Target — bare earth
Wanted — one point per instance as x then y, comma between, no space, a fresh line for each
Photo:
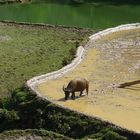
112,60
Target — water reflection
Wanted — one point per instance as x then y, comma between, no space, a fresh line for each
91,16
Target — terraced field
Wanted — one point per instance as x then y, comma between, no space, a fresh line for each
112,60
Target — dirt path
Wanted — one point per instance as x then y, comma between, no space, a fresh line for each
112,60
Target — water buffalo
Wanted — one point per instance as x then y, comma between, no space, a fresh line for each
78,84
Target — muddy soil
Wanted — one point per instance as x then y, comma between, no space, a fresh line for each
110,61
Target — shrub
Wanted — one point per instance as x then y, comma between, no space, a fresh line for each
8,119
6,103
65,61
20,97
72,52
77,44
110,135
8,115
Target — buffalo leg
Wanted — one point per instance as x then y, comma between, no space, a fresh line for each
81,93
73,96
87,89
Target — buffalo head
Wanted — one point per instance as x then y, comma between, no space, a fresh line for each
67,92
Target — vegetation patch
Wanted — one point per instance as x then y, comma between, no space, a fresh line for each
36,113
32,134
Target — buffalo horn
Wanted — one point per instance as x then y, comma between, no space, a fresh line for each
63,88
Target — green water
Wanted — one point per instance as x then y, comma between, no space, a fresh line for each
86,15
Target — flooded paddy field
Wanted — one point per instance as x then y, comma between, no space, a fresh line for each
112,60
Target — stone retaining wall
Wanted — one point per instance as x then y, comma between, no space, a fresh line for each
115,29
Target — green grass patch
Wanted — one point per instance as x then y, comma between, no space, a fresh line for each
27,51
32,134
